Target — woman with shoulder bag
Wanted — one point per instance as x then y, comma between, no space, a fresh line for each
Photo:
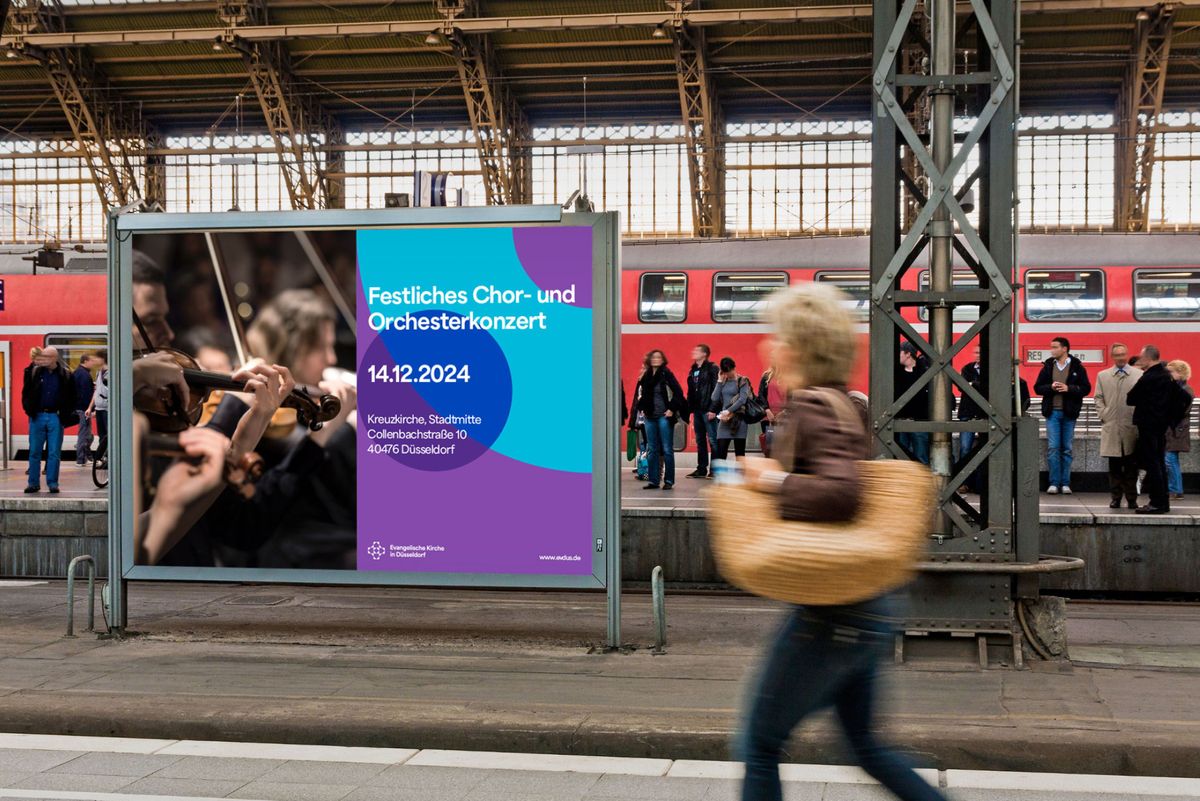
773,399
824,655
731,394
661,402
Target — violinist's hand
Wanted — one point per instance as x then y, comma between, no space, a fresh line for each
185,491
157,370
266,385
349,399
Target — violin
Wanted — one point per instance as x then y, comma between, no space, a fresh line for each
169,413
239,474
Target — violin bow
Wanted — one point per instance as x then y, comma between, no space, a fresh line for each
235,322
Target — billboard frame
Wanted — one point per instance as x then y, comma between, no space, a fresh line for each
124,224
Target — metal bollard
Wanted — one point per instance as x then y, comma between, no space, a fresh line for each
91,574
658,592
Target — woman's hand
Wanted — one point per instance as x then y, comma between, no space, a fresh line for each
770,416
755,468
712,415
669,414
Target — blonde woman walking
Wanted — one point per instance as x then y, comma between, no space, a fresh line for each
822,656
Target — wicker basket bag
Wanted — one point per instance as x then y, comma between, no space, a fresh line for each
825,563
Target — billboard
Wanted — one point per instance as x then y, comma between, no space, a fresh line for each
457,379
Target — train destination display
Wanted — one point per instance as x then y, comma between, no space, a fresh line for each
475,445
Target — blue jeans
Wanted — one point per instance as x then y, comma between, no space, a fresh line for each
706,438
824,657
1174,474
1059,433
916,443
83,441
45,431
661,443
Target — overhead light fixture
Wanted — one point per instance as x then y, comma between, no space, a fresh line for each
218,45
433,39
11,53
659,32
1143,15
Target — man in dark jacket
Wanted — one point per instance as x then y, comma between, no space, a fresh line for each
702,379
916,443
1158,404
84,386
1063,384
48,397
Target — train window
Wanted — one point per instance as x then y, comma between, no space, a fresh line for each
72,346
1166,294
857,286
662,298
742,297
963,279
1064,295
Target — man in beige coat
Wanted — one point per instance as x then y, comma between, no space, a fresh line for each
1118,435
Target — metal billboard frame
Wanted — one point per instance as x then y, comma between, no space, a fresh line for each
124,224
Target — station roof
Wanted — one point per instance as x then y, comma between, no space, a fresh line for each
368,63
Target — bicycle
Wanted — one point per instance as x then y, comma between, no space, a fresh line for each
100,464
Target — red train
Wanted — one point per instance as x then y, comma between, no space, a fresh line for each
67,310
1096,289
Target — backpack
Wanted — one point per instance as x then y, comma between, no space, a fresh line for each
753,410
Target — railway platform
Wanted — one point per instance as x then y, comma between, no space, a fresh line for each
1123,552
517,671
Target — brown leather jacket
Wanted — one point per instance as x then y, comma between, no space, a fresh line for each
821,442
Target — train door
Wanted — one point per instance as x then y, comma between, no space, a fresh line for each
6,405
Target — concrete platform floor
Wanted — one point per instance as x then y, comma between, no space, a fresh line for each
118,769
514,671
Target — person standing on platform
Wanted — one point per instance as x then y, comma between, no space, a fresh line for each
49,399
822,656
702,380
1179,436
1118,435
84,386
661,401
1159,403
98,407
915,443
1063,384
731,394
773,398
968,409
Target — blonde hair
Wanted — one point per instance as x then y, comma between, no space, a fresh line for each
811,319
288,327
1181,368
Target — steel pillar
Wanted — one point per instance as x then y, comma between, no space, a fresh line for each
981,87
703,126
497,120
110,134
1138,108
296,124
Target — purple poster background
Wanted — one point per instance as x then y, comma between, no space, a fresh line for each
492,474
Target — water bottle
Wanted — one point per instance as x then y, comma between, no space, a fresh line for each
727,471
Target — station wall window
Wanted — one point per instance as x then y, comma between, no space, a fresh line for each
1166,294
742,297
73,346
963,279
662,298
857,286
1064,295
